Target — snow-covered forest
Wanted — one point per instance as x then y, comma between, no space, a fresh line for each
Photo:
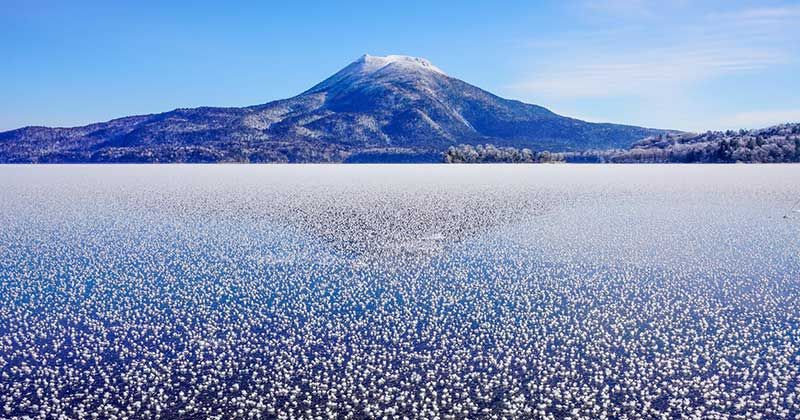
465,153
775,144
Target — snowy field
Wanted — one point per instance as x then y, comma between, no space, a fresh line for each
314,291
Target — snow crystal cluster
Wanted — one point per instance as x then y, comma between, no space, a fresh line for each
399,292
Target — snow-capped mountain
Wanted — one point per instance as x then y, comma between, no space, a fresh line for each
376,108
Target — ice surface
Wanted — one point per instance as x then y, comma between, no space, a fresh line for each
409,290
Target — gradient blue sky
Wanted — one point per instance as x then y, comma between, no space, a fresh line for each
670,64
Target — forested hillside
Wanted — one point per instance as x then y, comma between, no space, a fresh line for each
780,143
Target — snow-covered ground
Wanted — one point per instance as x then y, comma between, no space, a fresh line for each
399,290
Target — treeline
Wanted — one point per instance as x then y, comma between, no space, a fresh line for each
465,153
768,145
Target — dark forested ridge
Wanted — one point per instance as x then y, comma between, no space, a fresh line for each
777,144
377,109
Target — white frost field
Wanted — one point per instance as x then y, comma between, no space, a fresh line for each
380,291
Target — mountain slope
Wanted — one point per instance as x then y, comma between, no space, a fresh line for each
376,105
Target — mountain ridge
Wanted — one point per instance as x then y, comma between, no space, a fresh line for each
399,104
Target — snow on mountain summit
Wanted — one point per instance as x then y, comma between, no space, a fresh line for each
374,63
392,66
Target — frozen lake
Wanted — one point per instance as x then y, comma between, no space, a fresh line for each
399,290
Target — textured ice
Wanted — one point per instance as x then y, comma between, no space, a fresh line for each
399,291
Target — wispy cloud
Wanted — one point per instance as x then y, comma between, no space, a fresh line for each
625,8
652,71
758,119
764,13
649,61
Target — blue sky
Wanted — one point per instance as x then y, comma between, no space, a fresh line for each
671,64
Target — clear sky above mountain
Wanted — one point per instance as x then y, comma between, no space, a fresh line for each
678,64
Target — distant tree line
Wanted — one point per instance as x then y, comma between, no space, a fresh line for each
488,153
768,145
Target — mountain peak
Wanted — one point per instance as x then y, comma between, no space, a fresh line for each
393,66
373,63
375,103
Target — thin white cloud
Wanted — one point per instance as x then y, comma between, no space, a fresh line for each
764,13
758,119
624,8
647,62
644,75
